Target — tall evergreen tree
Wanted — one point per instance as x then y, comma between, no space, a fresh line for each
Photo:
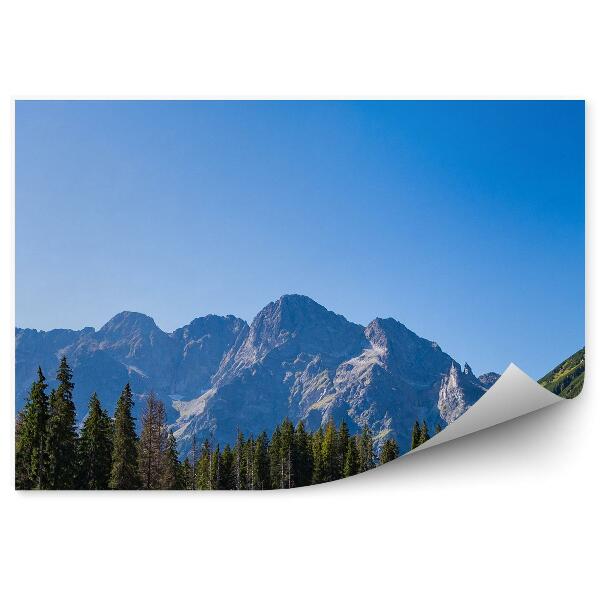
281,456
303,446
248,460
330,453
215,469
424,433
124,473
288,453
171,476
343,439
228,470
203,467
260,464
389,451
187,478
415,437
153,443
275,459
351,458
438,428
62,435
318,473
30,438
239,462
366,455
193,462
95,448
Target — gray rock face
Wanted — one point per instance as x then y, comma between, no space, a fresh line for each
489,379
296,359
458,390
299,360
130,347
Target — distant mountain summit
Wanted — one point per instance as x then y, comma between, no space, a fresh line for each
296,359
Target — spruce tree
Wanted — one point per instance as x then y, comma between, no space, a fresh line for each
124,473
351,458
317,456
303,455
215,469
248,460
438,428
171,476
389,451
187,478
95,448
288,453
260,464
343,439
203,467
62,435
415,438
228,471
424,433
193,462
277,474
329,453
30,439
240,474
366,455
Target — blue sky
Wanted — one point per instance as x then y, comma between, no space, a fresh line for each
463,220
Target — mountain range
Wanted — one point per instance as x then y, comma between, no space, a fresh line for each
218,375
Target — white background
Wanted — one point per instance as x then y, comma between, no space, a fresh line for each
506,513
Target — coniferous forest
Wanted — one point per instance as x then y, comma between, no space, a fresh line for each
107,453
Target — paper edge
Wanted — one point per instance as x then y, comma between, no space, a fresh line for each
513,395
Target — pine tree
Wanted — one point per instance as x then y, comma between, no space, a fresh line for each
187,478
239,463
303,446
389,451
248,460
351,458
215,469
260,463
203,467
95,448
438,428
171,477
62,435
424,433
343,439
275,459
366,455
228,473
124,473
330,453
30,439
153,443
415,438
317,456
193,462
288,452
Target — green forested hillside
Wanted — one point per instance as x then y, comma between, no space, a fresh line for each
566,379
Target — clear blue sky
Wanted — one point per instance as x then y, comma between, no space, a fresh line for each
463,220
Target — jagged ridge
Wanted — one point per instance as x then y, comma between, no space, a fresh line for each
296,359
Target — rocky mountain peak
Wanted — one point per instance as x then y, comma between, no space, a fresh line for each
128,322
299,320
489,379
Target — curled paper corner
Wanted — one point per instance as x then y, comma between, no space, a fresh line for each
513,395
